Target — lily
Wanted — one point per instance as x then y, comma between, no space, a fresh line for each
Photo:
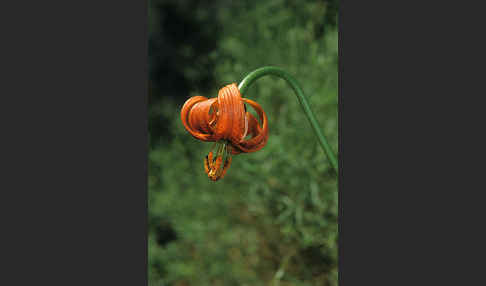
225,121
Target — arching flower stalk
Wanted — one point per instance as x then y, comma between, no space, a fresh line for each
225,121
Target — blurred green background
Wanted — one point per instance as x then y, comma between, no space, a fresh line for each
273,219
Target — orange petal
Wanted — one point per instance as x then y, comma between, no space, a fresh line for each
195,117
259,134
225,118
231,114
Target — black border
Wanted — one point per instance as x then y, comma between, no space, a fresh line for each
75,144
408,208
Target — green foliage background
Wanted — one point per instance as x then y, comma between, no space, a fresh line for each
273,219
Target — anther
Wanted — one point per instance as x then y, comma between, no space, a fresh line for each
227,163
216,166
210,159
206,164
215,169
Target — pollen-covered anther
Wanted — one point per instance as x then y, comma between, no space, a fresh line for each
213,173
217,168
206,164
227,163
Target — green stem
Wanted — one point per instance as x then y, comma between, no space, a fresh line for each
269,70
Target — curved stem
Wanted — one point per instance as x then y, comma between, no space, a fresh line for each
269,70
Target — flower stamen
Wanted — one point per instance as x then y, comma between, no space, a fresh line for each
215,167
227,163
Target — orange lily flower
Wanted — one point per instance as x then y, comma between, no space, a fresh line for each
225,121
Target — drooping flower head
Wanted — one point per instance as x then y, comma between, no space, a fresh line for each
225,121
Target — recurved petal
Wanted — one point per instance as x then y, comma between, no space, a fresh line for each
195,117
231,114
200,116
259,134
